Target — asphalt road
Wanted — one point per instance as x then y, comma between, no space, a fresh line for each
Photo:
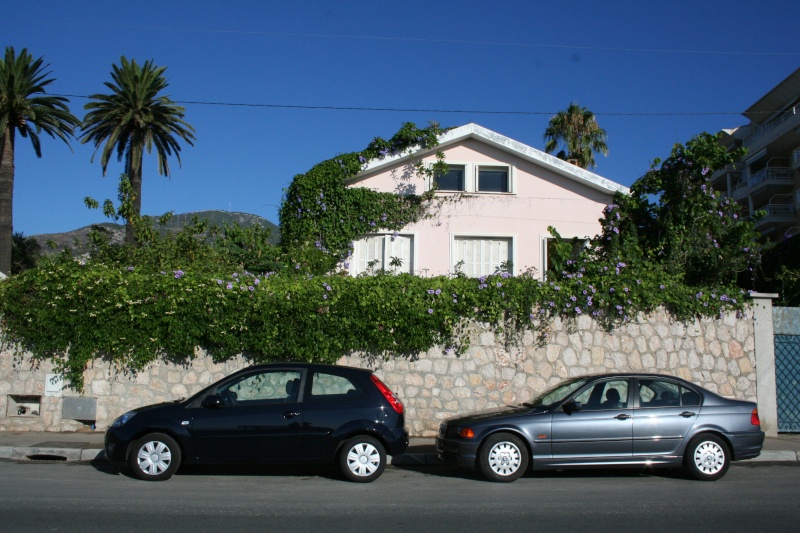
81,497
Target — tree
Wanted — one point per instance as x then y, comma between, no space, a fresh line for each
577,133
25,253
134,118
674,218
25,108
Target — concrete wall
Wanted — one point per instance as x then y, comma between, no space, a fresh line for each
718,354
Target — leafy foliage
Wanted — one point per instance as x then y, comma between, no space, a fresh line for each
24,254
578,134
674,218
321,217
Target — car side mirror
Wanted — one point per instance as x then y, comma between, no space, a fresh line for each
213,401
571,407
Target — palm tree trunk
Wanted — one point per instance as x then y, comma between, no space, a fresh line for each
6,199
135,177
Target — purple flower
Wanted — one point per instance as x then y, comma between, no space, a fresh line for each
324,296
578,310
431,291
130,269
219,282
430,311
362,159
256,281
229,286
251,288
662,287
438,291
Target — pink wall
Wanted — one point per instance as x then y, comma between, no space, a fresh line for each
540,198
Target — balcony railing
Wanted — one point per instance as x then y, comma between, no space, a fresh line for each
771,173
760,130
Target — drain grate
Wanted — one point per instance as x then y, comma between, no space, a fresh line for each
45,457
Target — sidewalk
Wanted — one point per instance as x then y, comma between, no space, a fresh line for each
88,446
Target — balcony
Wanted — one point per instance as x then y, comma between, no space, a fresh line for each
761,130
778,213
767,181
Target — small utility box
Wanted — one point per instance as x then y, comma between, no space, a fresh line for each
79,408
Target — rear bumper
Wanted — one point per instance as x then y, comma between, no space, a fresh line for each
747,445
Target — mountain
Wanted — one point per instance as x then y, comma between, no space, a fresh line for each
217,218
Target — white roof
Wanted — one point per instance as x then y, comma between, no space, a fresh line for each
507,144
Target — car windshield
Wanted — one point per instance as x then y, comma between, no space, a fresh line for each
556,394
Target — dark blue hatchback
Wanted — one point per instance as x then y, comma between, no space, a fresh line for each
275,413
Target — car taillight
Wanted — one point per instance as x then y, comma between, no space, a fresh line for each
754,417
396,404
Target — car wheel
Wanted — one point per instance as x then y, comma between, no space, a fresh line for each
503,457
707,458
363,459
155,457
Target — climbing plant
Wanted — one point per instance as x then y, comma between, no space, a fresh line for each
321,216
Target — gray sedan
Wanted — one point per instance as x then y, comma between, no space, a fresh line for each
609,420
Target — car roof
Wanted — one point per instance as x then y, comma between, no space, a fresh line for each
303,365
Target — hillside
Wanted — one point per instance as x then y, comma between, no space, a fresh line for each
68,239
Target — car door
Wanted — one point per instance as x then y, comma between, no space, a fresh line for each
600,430
665,412
260,419
335,404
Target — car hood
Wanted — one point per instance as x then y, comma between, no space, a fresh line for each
490,414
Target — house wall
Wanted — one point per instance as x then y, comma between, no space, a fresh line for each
541,198
718,354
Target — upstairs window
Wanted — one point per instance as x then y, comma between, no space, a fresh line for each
452,180
493,179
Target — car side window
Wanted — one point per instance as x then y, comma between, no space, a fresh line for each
662,393
604,395
272,387
332,386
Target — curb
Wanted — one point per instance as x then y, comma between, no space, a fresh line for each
32,453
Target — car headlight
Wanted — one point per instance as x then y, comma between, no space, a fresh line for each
119,422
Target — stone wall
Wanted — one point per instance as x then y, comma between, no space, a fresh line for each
715,353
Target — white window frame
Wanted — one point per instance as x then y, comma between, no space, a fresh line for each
387,240
544,239
471,173
512,243
476,175
466,178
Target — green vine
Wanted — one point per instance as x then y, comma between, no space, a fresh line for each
321,217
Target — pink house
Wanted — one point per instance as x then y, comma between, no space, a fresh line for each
510,193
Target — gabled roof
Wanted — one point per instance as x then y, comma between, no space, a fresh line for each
507,144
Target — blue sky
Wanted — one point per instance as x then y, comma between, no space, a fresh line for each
655,73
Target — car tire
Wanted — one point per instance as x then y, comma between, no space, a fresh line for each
503,458
707,457
155,457
362,459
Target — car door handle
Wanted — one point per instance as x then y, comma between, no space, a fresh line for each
290,414
687,414
623,416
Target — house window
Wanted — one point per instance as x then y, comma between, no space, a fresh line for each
482,256
452,180
493,179
576,246
392,253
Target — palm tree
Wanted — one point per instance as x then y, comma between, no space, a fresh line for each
578,135
134,118
25,108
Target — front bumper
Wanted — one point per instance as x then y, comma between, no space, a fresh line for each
115,449
459,451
